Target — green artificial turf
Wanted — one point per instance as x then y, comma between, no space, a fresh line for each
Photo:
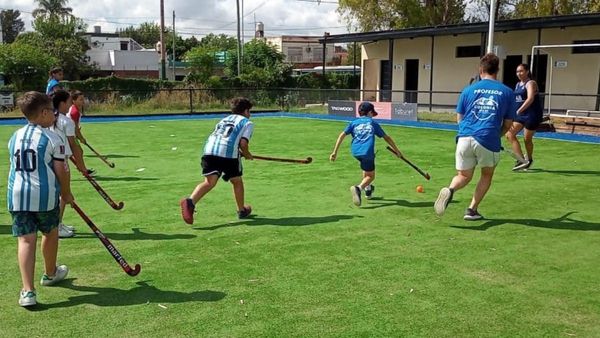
310,263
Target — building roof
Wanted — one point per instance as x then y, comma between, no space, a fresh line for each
469,28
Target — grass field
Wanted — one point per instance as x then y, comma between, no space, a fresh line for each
310,263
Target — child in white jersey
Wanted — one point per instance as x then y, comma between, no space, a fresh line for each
221,156
37,171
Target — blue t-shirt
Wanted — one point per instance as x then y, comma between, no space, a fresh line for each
363,131
50,87
484,106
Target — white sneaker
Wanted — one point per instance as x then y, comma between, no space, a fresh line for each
355,191
61,272
442,201
27,298
63,232
68,227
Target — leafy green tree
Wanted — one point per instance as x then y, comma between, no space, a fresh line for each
369,15
12,25
201,60
25,66
351,52
219,42
52,8
262,65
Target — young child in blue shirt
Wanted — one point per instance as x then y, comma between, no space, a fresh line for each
363,131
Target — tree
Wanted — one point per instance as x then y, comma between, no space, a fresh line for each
351,52
219,42
369,15
52,8
262,65
25,66
202,61
12,25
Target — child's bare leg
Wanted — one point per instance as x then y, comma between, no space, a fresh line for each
50,251
203,188
238,191
368,178
26,257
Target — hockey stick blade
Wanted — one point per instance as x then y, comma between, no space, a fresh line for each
101,157
287,160
107,244
103,193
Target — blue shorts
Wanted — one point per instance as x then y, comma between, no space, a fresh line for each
530,121
29,222
367,163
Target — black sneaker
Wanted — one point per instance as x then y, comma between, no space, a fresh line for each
355,191
245,212
472,215
90,172
369,190
529,164
441,203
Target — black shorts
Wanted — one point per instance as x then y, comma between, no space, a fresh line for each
529,121
216,165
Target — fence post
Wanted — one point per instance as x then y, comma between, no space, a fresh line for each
191,99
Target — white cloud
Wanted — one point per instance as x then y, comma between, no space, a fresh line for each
280,17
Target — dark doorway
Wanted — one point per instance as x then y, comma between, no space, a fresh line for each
411,80
509,70
540,69
386,81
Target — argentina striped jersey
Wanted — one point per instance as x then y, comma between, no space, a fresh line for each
225,139
32,184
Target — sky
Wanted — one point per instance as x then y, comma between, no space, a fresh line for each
201,17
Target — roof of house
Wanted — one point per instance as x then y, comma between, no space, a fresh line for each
469,28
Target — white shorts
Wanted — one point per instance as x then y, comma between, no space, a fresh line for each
470,153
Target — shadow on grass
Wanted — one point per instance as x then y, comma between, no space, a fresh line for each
373,203
137,235
112,155
564,172
285,221
563,223
5,229
144,293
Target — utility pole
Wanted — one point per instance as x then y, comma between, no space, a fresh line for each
163,66
1,32
490,45
242,28
239,41
174,36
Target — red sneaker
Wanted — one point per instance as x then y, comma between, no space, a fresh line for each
187,210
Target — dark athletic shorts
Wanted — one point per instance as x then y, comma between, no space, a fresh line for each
367,163
28,222
530,121
215,165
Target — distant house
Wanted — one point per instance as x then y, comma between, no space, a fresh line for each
303,51
121,56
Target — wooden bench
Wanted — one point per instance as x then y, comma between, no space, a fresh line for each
577,122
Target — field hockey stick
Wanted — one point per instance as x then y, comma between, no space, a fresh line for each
424,174
103,193
278,159
513,155
103,158
107,244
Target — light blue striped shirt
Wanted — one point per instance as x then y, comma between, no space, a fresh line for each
32,184
225,139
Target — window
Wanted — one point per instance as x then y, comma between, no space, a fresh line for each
317,54
468,51
294,54
124,45
586,50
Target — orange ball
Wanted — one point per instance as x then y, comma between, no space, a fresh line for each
420,188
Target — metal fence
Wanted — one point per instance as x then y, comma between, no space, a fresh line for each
194,100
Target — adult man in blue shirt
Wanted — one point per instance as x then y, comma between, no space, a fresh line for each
485,110
363,131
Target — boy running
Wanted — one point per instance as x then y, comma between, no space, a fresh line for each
363,131
221,156
37,176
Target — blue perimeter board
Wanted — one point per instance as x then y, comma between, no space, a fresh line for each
428,125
